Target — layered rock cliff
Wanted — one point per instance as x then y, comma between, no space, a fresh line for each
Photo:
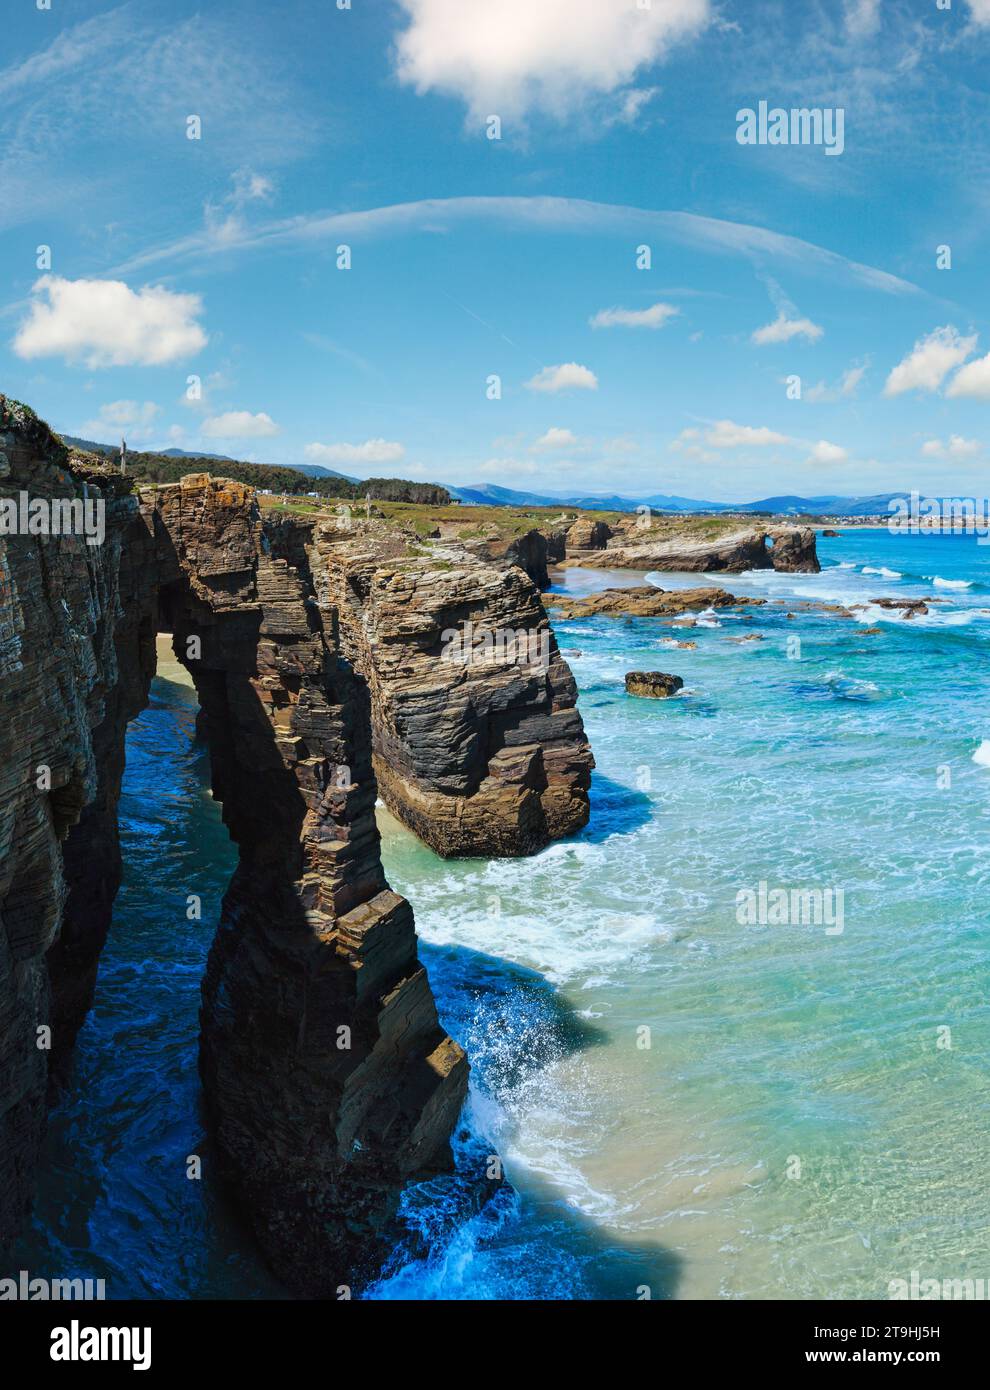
479,746
328,1077
787,548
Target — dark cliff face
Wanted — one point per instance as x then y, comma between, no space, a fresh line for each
327,1075
60,603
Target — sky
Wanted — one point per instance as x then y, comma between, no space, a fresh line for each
493,241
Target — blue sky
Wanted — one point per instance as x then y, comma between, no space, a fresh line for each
515,258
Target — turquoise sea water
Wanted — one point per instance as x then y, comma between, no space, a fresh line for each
683,1103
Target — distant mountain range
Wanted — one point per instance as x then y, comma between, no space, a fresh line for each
491,495
312,470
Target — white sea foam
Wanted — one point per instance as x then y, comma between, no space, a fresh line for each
982,754
941,583
849,688
882,571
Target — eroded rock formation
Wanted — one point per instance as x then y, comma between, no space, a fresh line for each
330,1081
792,549
479,746
653,685
645,601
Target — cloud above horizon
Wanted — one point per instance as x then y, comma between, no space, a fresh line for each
371,451
569,376
824,452
783,329
555,439
930,361
513,57
956,448
726,434
653,317
124,415
104,323
973,380
240,424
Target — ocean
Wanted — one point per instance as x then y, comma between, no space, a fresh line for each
689,1104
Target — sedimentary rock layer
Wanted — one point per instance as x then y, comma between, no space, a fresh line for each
479,746
792,550
328,1076
60,680
645,601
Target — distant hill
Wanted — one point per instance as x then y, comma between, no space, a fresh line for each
312,470
490,494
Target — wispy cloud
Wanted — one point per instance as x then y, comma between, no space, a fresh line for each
783,329
127,73
653,317
572,215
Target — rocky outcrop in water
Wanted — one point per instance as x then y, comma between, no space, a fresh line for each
792,550
654,685
645,601
327,1075
479,746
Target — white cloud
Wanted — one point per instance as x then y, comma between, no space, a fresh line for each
824,452
957,447
930,361
224,220
973,380
980,10
862,18
654,317
556,439
631,104
687,443
509,56
240,424
123,415
103,323
567,376
371,451
725,434
783,329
